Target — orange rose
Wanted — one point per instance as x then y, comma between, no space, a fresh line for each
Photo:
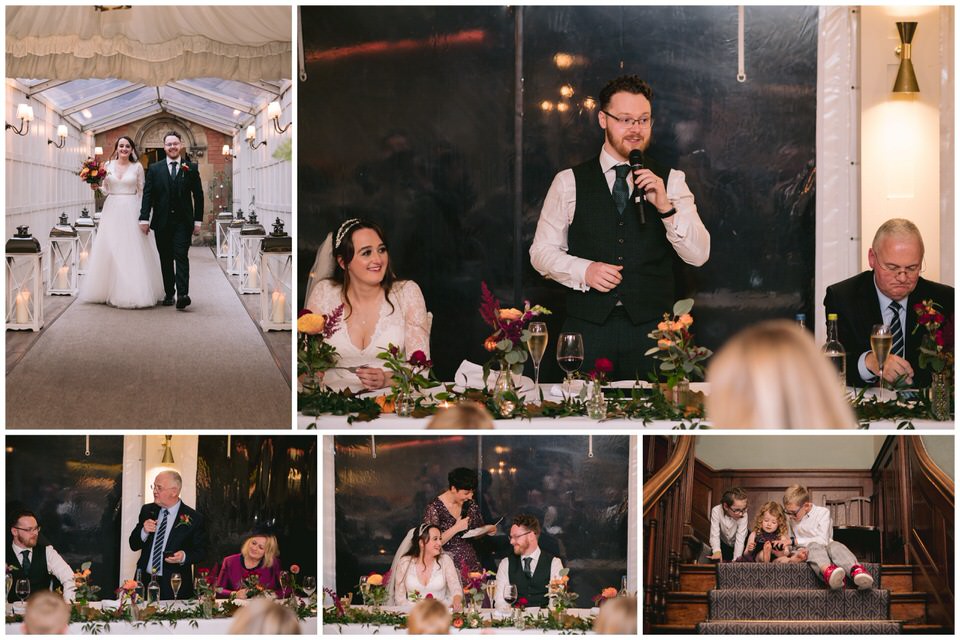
676,326
663,326
664,344
294,569
510,314
609,592
129,585
458,622
490,344
386,404
375,579
474,575
686,320
311,323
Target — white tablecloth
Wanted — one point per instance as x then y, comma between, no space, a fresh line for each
366,629
392,422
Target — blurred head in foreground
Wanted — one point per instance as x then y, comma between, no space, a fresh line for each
262,616
772,375
464,415
428,617
46,614
617,616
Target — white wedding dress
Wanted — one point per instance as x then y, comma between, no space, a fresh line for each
123,269
443,584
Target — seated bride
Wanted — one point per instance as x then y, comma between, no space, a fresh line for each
378,309
421,569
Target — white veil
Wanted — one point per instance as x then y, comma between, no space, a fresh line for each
323,266
402,550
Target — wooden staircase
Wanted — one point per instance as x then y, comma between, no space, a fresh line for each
688,605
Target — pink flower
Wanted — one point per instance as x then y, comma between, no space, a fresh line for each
603,365
294,569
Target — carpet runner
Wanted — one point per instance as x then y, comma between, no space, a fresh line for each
754,598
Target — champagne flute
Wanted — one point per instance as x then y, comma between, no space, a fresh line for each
881,341
490,588
569,357
537,345
364,589
175,581
9,585
23,589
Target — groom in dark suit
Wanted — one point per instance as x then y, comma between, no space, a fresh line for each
170,536
893,286
172,190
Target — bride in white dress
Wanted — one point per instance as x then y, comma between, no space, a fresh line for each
378,309
420,566
123,269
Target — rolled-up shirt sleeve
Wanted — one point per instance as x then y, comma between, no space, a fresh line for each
548,253
60,570
685,230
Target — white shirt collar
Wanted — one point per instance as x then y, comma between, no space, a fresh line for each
607,161
534,556
17,549
884,300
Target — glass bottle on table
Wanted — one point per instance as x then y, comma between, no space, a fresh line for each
834,351
139,589
881,341
537,345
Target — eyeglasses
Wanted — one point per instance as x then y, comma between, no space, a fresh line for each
737,510
643,122
794,512
28,529
518,536
896,270
156,487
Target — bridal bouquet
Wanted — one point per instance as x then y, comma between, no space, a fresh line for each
92,171
508,342
314,353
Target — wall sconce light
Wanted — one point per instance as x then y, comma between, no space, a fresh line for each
167,451
97,151
25,114
251,136
228,152
273,113
906,78
62,135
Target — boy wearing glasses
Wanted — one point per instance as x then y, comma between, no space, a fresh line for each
887,295
728,525
26,563
812,529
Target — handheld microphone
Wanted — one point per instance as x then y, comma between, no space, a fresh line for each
636,164
465,508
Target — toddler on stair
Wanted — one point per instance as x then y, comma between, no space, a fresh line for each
769,542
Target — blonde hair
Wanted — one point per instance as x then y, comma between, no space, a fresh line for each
428,617
617,616
771,375
796,494
270,548
777,512
464,415
896,227
263,616
46,614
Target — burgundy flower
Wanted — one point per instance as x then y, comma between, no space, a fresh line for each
418,358
303,312
603,365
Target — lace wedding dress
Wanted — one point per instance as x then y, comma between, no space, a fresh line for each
123,269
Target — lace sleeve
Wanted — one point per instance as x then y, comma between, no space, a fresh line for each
324,298
103,188
399,579
140,179
416,324
450,576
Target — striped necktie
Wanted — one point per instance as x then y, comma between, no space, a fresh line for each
156,557
897,329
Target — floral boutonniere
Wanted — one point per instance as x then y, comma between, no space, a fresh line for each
184,520
185,167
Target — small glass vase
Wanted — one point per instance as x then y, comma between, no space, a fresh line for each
680,393
596,403
405,403
311,383
940,395
505,392
206,606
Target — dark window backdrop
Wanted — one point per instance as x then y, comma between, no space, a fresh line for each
76,498
408,118
581,501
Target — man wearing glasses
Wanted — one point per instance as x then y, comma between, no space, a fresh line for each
36,567
614,250
887,295
171,537
530,569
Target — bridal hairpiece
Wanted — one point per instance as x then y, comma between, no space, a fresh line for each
344,228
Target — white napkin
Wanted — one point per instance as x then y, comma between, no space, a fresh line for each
471,375
557,390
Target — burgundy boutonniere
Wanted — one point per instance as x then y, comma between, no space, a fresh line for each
185,167
184,520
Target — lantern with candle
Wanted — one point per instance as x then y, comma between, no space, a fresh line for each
224,218
276,278
251,235
86,233
234,265
24,281
64,244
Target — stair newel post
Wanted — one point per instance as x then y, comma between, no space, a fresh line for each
674,571
648,591
660,609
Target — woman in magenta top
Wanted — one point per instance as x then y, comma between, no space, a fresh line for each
259,555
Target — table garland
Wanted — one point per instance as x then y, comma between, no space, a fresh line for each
459,620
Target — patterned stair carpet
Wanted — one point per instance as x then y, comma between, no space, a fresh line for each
753,598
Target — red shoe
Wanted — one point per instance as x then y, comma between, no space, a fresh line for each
833,576
861,577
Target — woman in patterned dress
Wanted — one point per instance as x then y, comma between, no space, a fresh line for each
454,512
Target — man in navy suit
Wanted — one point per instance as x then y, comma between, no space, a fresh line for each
172,190
184,537
873,297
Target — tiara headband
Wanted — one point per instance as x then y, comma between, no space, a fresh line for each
344,228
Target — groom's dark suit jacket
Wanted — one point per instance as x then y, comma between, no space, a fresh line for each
189,535
855,302
176,200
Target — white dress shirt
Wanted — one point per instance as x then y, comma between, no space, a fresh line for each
503,574
731,531
815,526
56,566
548,253
171,523
887,314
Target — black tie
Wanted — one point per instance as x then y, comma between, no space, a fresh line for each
173,170
897,328
621,192
26,561
157,555
527,561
